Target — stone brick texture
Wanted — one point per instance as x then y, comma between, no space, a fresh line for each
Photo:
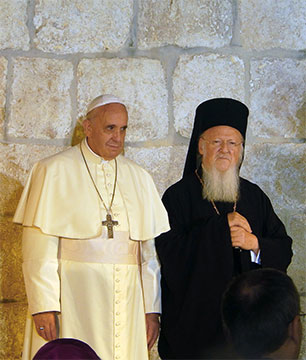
200,77
14,33
187,23
11,288
162,58
40,101
3,73
82,26
13,315
272,24
277,99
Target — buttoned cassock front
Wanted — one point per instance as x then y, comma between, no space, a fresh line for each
100,287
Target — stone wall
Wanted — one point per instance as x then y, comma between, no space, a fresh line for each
163,57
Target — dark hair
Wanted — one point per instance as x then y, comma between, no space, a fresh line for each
258,307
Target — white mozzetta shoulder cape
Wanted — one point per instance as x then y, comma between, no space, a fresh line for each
59,198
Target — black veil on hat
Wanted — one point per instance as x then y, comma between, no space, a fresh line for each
210,113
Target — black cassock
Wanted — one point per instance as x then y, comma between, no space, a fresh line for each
198,261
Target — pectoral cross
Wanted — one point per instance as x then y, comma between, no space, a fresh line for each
109,223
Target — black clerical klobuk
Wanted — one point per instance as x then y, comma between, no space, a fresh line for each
210,113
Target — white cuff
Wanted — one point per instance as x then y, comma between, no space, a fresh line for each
150,273
255,258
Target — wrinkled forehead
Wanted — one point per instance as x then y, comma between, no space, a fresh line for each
222,131
108,110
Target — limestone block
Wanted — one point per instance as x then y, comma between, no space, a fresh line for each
13,25
186,23
3,74
278,98
140,83
15,162
165,163
279,169
273,24
297,268
201,77
40,104
12,323
82,25
11,279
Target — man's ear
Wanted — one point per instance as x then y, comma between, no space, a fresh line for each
295,330
87,126
201,146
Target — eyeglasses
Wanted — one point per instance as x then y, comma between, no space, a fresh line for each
217,143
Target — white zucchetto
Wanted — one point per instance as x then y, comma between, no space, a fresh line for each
103,100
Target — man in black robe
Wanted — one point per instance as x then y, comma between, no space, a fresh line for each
221,225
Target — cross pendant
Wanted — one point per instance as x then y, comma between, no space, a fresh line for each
109,223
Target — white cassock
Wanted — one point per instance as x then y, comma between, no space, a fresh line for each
101,288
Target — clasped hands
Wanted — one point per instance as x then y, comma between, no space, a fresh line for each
241,233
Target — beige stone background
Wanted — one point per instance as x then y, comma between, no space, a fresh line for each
163,57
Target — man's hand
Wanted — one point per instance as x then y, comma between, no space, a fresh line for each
235,219
45,320
241,233
152,326
243,239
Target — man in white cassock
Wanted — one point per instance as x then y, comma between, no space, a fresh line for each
90,217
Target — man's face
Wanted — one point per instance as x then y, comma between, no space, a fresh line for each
217,147
105,129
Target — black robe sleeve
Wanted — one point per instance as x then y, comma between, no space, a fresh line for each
274,243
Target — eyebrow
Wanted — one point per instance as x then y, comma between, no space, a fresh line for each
115,125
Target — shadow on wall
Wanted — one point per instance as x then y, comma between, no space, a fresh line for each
13,304
78,133
11,280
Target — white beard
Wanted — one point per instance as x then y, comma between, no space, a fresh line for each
221,186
